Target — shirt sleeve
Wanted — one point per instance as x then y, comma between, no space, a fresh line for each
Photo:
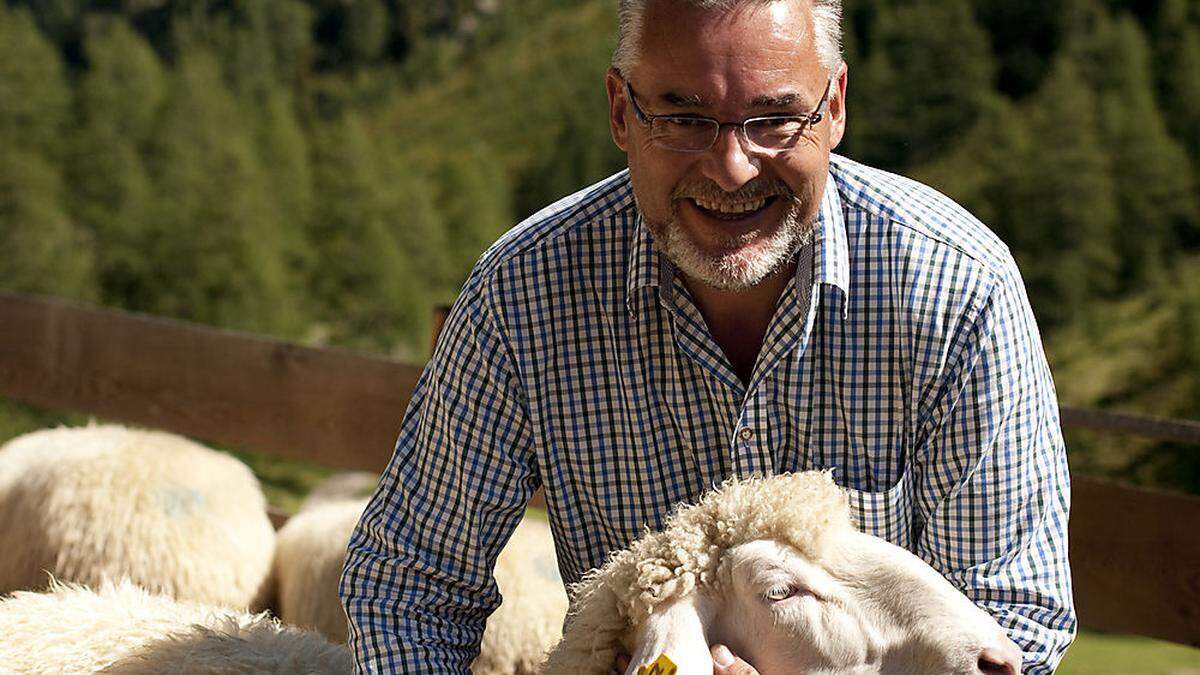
994,489
417,585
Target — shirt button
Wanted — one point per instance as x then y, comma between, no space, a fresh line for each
746,433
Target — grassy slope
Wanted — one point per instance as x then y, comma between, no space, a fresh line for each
1102,654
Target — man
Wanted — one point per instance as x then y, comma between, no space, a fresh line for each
738,302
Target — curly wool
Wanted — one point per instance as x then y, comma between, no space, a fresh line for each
120,629
107,502
804,510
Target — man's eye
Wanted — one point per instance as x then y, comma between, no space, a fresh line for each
779,123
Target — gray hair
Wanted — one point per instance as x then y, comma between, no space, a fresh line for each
827,28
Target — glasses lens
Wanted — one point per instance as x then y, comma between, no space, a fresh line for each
689,134
774,133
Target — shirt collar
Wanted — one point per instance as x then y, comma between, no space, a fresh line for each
831,263
646,265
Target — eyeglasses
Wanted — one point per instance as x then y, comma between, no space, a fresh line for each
695,133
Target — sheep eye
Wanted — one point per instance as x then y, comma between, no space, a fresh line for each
777,593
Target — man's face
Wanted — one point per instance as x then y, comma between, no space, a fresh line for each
730,216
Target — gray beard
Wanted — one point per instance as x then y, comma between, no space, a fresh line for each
740,269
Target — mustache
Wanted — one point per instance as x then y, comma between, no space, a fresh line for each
710,191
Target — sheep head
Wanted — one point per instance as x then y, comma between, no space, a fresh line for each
774,568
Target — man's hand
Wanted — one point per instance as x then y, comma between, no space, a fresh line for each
725,663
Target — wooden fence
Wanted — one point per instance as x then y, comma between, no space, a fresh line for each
1135,553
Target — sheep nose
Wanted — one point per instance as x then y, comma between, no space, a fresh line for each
1000,659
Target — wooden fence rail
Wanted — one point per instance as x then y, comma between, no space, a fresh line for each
1135,553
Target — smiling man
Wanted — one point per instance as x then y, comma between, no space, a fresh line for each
739,301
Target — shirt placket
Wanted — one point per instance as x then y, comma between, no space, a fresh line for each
750,445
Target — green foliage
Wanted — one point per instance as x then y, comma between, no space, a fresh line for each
1065,237
119,98
986,171
331,168
1024,36
935,65
1137,354
1152,175
365,30
365,288
34,97
216,246
473,195
1177,56
43,251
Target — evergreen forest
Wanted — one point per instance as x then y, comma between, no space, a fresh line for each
328,170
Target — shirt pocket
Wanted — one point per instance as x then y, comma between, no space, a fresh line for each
885,513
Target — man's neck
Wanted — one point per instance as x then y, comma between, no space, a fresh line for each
738,320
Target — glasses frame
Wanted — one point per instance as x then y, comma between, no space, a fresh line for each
809,121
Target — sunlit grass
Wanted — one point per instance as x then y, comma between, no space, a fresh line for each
1104,654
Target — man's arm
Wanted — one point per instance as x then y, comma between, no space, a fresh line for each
993,485
418,584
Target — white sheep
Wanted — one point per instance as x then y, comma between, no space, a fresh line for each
107,502
530,619
311,550
121,629
774,569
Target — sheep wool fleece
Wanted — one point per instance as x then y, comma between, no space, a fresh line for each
311,550
121,629
805,510
107,502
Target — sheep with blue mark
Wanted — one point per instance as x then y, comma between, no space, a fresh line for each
106,502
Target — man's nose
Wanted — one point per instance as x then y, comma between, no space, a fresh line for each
730,162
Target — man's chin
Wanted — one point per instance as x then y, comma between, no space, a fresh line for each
734,268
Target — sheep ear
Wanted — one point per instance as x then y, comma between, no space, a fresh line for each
675,630
593,633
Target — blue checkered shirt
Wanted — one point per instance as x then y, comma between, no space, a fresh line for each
903,355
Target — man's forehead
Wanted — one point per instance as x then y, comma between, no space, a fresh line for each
670,19
760,54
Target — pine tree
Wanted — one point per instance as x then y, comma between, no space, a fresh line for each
120,95
34,98
1023,37
473,197
217,242
364,30
412,219
1153,177
1177,56
984,171
927,87
364,287
265,46
1065,235
43,250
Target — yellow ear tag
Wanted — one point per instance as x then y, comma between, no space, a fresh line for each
661,666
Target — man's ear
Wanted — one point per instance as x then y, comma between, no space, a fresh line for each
837,108
618,108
